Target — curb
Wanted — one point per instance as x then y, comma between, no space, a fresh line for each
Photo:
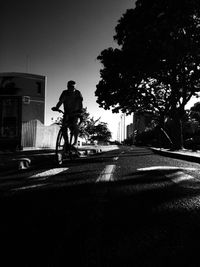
21,162
26,160
177,155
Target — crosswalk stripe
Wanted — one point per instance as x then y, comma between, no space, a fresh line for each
28,187
107,174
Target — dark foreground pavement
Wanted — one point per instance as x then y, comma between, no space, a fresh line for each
94,224
89,225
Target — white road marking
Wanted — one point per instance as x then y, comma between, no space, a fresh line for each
107,174
179,177
166,168
176,177
32,174
48,173
28,187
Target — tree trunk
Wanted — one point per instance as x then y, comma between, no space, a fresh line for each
173,127
177,136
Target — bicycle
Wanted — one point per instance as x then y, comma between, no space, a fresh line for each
64,147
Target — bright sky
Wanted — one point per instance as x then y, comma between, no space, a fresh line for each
61,40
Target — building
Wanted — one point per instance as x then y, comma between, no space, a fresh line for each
22,99
121,132
27,88
129,131
141,122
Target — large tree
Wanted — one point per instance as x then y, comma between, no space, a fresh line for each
157,64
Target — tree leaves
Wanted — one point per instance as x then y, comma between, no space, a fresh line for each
94,129
157,65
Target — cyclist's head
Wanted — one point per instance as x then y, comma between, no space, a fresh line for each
71,85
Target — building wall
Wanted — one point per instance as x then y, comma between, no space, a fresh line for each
141,121
33,110
32,89
26,93
10,122
129,130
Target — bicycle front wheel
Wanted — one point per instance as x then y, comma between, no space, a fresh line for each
60,150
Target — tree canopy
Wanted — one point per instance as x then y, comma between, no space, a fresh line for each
93,129
195,112
156,66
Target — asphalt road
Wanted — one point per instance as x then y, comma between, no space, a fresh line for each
127,207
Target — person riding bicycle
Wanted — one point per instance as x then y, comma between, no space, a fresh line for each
72,101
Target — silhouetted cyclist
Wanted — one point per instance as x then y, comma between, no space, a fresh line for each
72,101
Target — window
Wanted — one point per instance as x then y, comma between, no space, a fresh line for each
39,88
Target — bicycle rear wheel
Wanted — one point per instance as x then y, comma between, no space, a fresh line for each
60,148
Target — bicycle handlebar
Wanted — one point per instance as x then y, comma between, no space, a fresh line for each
60,111
57,109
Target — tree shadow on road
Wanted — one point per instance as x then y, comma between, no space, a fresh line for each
120,223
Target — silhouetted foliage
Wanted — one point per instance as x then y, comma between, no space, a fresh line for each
157,65
91,128
101,133
195,112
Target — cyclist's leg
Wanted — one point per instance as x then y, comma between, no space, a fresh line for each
74,131
71,136
59,147
70,130
74,136
66,137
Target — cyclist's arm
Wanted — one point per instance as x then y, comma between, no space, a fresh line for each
60,101
56,108
58,104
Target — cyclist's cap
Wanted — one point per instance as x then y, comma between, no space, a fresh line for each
71,83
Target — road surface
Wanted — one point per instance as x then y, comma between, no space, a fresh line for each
127,207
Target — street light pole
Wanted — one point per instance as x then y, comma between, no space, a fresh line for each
121,133
124,127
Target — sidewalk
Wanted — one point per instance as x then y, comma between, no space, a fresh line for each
184,154
10,160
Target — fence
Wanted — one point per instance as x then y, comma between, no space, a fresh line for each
35,134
